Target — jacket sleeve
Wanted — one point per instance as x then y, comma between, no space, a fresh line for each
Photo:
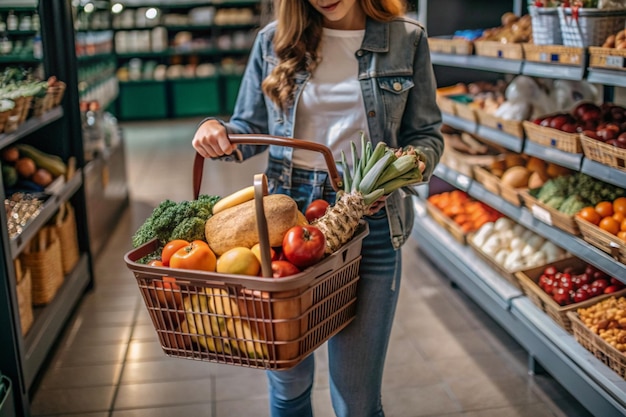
421,122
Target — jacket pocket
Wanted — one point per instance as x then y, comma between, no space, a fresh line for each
394,93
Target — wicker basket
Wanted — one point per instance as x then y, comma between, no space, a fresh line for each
487,179
24,296
505,273
57,90
557,54
610,58
591,27
43,258
511,194
606,353
602,239
511,127
4,117
446,104
495,49
465,111
552,138
454,46
549,215
447,223
601,152
545,25
528,281
65,226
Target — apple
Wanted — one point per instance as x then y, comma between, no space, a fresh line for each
606,134
559,120
616,143
569,127
581,295
583,108
591,134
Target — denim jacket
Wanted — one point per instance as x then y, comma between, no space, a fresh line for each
398,88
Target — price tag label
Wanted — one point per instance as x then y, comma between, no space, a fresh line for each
542,214
463,181
615,61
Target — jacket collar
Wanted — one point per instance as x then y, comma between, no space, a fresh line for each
376,36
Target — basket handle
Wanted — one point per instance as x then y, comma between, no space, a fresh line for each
260,191
336,179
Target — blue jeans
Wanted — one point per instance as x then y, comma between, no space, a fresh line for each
356,355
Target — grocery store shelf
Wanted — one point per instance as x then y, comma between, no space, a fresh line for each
478,62
459,123
49,208
561,72
573,244
31,125
596,386
593,383
605,76
50,319
603,172
496,136
566,159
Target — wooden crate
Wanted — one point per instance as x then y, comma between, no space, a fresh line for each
549,215
454,46
558,54
505,273
446,222
497,49
552,138
602,239
487,179
605,154
610,58
511,127
466,111
528,281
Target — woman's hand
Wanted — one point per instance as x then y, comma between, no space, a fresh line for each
211,140
377,205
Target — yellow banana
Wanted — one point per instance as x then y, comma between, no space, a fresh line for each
210,330
236,198
221,303
245,337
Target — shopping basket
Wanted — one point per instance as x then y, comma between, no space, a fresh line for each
256,322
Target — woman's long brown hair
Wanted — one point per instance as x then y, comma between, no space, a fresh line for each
297,40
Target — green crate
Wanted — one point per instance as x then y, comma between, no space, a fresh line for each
231,83
142,100
195,97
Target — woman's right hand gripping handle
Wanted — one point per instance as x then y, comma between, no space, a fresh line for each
211,140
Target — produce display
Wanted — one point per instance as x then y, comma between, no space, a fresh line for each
514,247
514,29
574,285
26,168
606,123
617,40
466,212
607,319
571,193
607,215
522,171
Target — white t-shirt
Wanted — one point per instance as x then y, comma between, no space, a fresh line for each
330,110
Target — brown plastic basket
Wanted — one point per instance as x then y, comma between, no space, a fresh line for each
556,54
43,258
528,281
553,138
606,353
256,322
549,215
605,154
611,58
497,49
602,239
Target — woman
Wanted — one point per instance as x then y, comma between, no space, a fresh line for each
329,70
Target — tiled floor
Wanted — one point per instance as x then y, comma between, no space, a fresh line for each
446,357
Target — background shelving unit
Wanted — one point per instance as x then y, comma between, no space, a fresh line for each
57,132
601,390
215,35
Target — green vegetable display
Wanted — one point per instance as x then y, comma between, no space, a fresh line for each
176,220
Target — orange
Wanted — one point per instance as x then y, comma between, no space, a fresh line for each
623,226
622,235
590,214
619,205
619,216
604,208
609,224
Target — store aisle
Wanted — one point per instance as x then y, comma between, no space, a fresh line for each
446,358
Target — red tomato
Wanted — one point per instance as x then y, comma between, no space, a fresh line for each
196,255
316,209
155,262
170,248
283,269
304,245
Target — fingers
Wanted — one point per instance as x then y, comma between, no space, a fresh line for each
211,140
